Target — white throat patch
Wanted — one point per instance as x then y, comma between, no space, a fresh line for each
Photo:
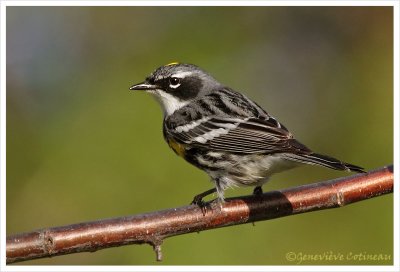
168,102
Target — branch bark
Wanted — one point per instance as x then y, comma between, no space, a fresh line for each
154,227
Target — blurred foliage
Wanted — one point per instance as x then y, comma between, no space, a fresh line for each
81,146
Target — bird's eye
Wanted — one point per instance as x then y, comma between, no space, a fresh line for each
174,82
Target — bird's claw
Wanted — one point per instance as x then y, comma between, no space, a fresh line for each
204,206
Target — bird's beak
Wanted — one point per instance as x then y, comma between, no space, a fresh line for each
144,86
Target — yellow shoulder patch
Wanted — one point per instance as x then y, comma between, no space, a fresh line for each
178,148
172,63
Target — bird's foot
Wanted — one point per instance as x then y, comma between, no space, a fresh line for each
198,200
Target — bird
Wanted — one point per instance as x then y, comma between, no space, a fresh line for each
224,133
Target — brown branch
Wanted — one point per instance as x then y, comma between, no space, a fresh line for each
153,228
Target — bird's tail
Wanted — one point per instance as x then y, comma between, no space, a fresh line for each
323,160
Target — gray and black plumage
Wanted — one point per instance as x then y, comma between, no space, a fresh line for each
225,133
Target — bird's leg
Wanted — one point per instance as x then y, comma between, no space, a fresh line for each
258,191
198,199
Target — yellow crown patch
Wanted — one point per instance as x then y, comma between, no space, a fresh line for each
172,63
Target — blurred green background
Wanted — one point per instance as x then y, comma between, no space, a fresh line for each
81,146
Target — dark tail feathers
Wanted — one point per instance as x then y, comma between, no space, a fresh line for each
323,160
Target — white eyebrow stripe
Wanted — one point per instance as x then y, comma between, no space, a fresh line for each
182,74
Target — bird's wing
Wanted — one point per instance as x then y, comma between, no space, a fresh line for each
236,135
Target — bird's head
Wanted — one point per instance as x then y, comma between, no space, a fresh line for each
177,84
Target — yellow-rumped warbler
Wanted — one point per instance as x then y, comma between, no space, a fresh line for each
225,133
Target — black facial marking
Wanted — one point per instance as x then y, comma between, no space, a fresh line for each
189,88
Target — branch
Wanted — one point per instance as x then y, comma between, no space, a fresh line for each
154,227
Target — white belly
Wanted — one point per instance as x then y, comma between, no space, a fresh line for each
250,170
